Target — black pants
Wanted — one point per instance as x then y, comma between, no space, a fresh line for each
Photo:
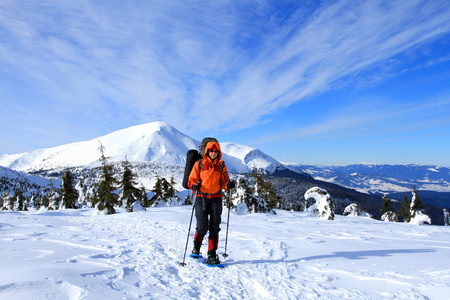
208,213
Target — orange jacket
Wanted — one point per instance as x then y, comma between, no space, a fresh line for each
210,178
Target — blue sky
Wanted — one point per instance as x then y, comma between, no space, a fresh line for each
313,82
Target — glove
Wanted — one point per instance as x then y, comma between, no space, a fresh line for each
196,186
231,185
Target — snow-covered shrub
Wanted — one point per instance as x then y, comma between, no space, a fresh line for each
420,219
323,205
137,206
354,210
241,208
389,216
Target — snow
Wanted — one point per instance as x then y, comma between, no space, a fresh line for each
151,142
72,254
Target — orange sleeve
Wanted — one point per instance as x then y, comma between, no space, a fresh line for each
225,178
194,177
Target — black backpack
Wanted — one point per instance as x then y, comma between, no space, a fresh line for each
193,156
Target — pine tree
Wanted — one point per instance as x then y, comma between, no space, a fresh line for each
446,217
404,209
387,212
417,209
53,197
105,199
69,195
244,193
35,201
387,204
416,204
82,190
143,197
261,197
188,199
164,191
45,202
129,193
21,204
8,201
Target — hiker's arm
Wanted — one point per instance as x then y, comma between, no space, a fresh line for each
194,177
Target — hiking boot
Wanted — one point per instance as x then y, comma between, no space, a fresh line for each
196,249
213,259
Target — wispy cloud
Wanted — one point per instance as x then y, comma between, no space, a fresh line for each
370,119
199,66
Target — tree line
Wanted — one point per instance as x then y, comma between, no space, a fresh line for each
106,194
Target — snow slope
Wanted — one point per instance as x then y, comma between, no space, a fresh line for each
151,142
73,254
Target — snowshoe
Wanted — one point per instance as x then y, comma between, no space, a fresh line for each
213,262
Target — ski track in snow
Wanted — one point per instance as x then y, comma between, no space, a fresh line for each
72,254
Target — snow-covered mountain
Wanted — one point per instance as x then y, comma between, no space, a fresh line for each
10,180
151,142
382,178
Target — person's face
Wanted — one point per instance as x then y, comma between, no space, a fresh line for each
213,154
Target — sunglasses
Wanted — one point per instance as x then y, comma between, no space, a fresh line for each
214,151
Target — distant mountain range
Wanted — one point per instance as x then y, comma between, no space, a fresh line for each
158,149
382,178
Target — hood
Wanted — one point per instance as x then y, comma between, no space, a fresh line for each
213,145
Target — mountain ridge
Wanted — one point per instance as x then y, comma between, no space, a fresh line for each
381,178
150,142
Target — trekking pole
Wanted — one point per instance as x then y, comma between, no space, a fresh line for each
189,231
228,225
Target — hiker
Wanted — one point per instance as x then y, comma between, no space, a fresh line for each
208,177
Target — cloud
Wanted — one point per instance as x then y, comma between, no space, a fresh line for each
372,118
200,66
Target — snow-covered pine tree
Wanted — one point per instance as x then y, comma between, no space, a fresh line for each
82,190
45,202
416,204
158,193
264,198
143,197
188,199
105,198
35,201
164,192
21,201
53,200
244,193
128,193
53,197
324,203
69,195
446,217
8,201
404,210
387,212
354,210
417,208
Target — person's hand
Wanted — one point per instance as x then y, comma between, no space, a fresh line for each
231,185
196,186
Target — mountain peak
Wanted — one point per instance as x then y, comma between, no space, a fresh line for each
150,142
